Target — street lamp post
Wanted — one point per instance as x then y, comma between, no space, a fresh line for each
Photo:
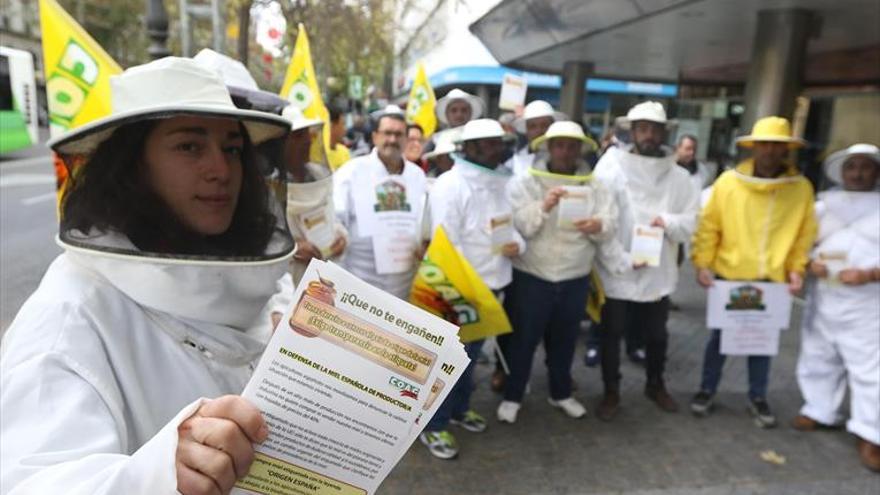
157,29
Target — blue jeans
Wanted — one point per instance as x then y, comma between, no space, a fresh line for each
548,311
459,399
713,362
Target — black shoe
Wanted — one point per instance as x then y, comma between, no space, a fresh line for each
592,358
701,404
760,410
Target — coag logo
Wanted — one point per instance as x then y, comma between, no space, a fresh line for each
406,389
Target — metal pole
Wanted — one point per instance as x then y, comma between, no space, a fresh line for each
217,25
157,29
573,91
777,66
185,30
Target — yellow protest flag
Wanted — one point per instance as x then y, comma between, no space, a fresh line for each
300,88
77,70
449,287
421,103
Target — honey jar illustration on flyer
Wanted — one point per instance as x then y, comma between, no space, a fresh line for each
322,290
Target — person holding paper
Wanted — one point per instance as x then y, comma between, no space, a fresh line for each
657,210
758,225
839,337
568,219
117,372
379,198
536,118
470,203
310,212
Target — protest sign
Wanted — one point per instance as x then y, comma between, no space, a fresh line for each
344,385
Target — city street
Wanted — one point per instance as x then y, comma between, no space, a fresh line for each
27,226
645,451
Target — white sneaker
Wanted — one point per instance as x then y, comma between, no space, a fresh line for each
570,406
507,411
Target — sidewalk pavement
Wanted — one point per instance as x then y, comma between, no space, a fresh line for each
644,451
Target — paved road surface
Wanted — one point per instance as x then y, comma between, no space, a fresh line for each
27,226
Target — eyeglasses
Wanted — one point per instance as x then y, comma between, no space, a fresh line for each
398,135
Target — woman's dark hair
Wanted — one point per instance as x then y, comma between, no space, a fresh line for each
109,192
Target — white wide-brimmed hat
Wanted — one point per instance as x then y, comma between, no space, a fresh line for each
167,87
241,84
651,111
388,110
475,102
834,163
535,110
233,72
483,129
297,120
445,145
565,129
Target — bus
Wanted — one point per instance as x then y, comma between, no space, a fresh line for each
18,100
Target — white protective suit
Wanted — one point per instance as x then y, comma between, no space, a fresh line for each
465,201
356,189
556,254
304,197
840,338
521,161
645,188
111,353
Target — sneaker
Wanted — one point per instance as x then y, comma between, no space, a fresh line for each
570,406
441,444
507,411
701,404
760,410
637,356
591,360
471,421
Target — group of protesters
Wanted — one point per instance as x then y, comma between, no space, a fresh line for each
177,254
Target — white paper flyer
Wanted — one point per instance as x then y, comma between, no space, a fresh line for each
647,244
394,245
513,92
748,341
317,225
501,230
745,304
577,204
343,381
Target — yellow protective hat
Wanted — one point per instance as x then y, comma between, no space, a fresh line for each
564,129
771,129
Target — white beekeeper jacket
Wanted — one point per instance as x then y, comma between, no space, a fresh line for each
305,197
355,198
647,187
465,201
521,161
555,253
840,331
110,354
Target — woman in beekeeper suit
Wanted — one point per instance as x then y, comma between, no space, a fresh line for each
117,372
840,343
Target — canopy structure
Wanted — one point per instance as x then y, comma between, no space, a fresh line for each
687,41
